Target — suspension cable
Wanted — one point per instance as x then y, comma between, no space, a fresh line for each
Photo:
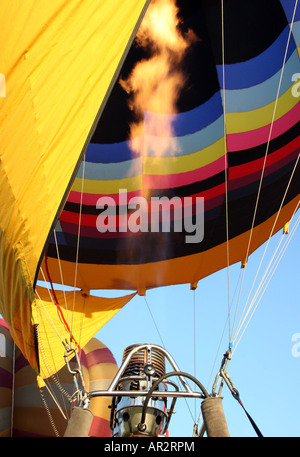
78,237
154,322
225,164
265,283
268,144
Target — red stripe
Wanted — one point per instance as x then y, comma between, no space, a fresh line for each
291,149
170,181
256,176
90,220
100,427
60,312
3,323
101,355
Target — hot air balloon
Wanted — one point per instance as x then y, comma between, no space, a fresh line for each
26,413
114,196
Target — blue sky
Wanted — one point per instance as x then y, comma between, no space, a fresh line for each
266,362
265,366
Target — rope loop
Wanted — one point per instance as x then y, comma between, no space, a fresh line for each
80,395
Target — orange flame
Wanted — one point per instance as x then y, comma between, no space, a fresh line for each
155,83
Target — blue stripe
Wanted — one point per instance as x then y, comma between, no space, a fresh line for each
108,171
296,33
262,94
109,153
288,6
258,69
207,117
188,144
193,120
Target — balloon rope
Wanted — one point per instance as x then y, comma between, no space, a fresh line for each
195,346
268,241
225,165
78,235
154,322
270,131
47,316
163,344
264,163
60,312
270,270
61,274
54,376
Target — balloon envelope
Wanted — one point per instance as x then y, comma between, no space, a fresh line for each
22,411
235,128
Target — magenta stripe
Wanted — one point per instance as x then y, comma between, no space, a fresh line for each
20,363
158,182
91,199
3,323
102,355
6,378
248,179
247,140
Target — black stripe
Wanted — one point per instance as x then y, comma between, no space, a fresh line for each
151,247
234,158
251,154
183,191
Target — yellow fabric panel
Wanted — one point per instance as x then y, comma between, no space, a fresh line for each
286,228
59,59
108,186
251,120
188,269
89,315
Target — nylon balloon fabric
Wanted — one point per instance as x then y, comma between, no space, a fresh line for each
59,60
22,410
234,142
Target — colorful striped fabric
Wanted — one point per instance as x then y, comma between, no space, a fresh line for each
6,379
252,98
22,411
